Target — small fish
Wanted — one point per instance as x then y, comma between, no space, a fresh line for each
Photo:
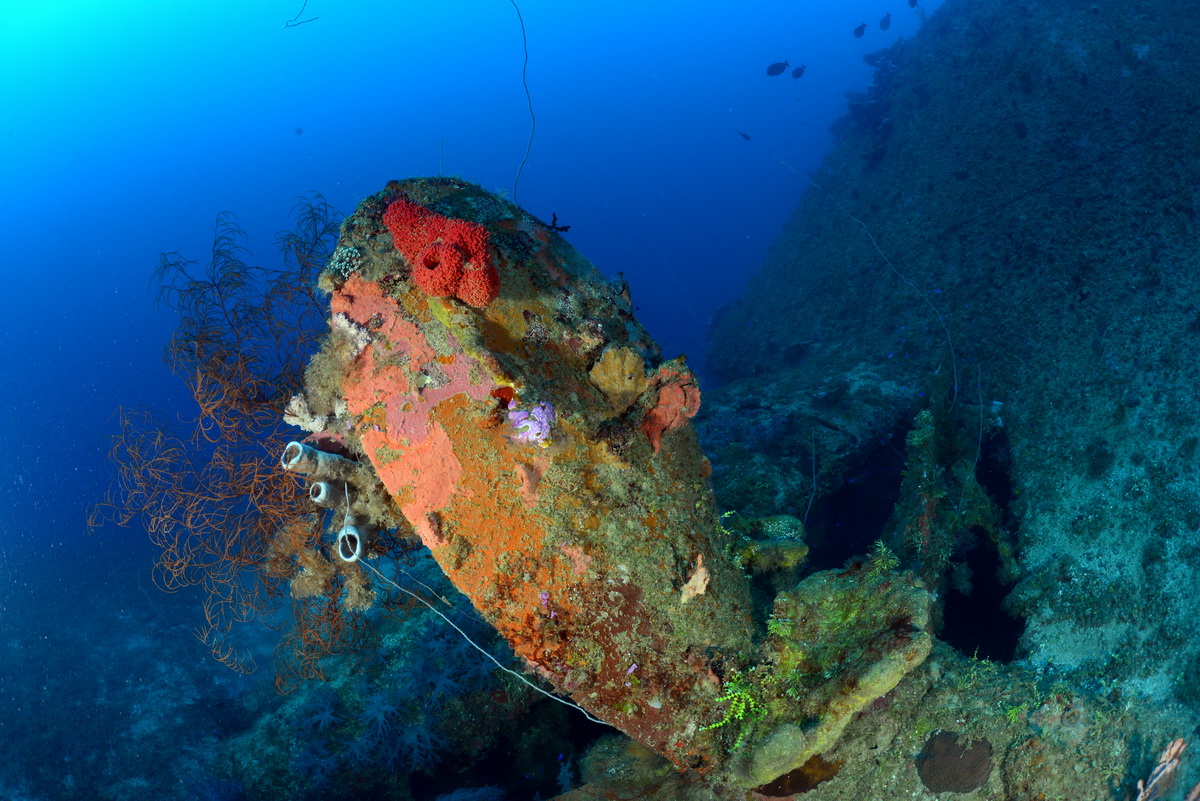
861,29
777,68
912,3
743,135
886,22
799,71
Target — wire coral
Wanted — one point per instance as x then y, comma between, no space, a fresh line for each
212,498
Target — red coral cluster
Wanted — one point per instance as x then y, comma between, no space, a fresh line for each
449,257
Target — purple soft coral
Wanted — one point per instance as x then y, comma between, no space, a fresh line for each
534,426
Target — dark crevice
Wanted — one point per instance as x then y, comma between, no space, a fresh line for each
848,521
976,624
992,473
974,620
846,524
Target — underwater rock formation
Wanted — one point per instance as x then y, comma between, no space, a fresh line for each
534,438
1013,230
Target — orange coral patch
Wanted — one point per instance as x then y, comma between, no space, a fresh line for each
369,381
422,476
364,303
500,555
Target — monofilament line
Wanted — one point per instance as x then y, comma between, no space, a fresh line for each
813,448
904,278
528,99
478,648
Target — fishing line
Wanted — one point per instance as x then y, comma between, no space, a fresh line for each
925,297
477,647
940,319
528,99
346,521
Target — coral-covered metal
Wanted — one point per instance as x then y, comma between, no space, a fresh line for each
536,441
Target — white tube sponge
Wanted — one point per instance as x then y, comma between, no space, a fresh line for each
351,541
329,494
320,465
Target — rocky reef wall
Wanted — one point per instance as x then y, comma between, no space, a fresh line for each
1009,220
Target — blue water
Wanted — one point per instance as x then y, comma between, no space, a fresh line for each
125,128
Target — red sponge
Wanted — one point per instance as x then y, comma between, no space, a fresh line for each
449,257
412,225
438,270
